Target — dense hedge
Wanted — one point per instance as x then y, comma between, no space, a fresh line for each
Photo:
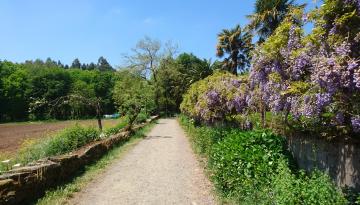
252,167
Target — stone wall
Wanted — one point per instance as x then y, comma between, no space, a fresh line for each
22,185
340,158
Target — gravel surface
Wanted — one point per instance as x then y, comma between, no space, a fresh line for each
161,169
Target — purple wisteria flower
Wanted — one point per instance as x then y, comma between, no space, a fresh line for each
343,49
339,117
322,100
213,98
355,123
236,83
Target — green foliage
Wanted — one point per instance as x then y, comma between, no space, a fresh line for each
192,68
33,90
237,44
133,95
142,117
267,16
169,86
203,137
317,188
244,162
173,78
14,91
297,88
339,14
103,65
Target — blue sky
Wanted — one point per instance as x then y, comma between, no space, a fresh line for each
87,29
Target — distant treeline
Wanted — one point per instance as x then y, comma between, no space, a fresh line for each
41,90
28,90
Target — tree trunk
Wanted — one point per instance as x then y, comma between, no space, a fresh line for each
99,122
263,116
98,115
235,62
131,122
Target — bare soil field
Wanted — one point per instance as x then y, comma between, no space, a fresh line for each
12,135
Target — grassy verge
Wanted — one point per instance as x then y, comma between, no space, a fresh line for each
254,167
62,194
67,140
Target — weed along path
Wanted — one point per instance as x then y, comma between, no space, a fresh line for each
161,169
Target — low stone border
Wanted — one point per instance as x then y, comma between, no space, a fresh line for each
22,185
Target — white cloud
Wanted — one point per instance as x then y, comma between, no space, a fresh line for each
149,21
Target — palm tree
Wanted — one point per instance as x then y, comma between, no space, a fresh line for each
268,15
238,45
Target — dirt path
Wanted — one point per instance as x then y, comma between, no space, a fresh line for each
161,169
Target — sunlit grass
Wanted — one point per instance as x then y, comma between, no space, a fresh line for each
61,142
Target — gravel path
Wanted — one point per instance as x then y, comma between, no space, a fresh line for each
161,169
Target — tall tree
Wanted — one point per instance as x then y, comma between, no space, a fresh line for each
237,44
133,95
76,63
50,63
268,15
60,65
147,55
103,64
192,68
169,86
84,66
91,66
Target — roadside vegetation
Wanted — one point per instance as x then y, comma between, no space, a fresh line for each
254,167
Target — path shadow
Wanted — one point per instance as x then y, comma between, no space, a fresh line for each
157,137
160,123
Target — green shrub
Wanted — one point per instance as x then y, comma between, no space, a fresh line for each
252,167
317,188
244,163
203,138
142,117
